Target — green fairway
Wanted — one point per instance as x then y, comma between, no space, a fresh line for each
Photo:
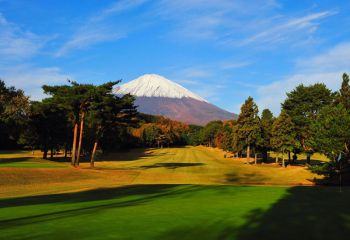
169,193
25,159
180,212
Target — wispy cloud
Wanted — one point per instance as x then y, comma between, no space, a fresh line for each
16,43
98,29
235,64
324,68
118,7
237,23
30,78
87,36
282,31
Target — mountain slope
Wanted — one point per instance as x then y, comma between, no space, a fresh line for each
159,96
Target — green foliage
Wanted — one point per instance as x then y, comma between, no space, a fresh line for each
47,127
208,133
330,131
193,135
326,169
14,110
343,96
283,133
226,138
303,104
266,123
248,123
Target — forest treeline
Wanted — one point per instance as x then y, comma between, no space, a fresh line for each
313,119
78,119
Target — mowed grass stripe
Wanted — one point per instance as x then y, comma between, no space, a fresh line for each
180,212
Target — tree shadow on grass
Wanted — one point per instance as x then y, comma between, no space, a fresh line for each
129,155
309,213
14,160
173,165
92,195
251,178
126,196
303,213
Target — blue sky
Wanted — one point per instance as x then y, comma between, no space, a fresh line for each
223,50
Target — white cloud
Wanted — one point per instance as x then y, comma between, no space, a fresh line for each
31,78
96,29
16,43
207,19
88,36
234,65
117,7
326,68
289,29
335,58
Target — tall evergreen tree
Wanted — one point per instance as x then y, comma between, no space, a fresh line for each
108,111
343,96
14,112
266,129
302,105
330,129
248,124
283,134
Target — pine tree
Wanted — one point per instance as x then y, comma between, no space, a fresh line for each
302,105
248,125
343,96
266,128
331,133
283,134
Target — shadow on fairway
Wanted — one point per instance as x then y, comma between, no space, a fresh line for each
171,165
14,160
95,195
251,178
126,196
303,213
130,155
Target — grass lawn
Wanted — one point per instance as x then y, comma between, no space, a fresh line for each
176,193
180,212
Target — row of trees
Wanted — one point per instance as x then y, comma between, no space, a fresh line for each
78,119
158,131
312,119
75,118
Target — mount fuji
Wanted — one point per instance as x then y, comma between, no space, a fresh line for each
157,95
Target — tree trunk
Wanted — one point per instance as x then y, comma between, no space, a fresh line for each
92,163
45,153
308,158
80,138
74,143
248,154
283,163
264,153
65,151
51,153
276,158
255,158
289,159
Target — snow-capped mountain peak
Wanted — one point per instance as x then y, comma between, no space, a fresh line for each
153,85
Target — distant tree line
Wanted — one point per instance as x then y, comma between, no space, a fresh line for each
312,119
78,119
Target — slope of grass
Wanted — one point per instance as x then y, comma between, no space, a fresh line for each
26,159
201,165
25,174
180,212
